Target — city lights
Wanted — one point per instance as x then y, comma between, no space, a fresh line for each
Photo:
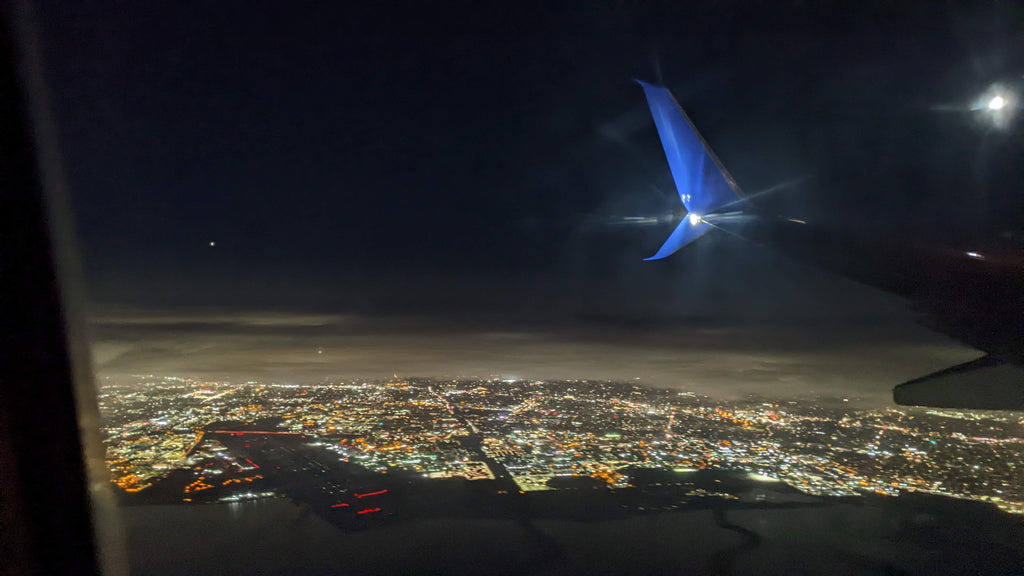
527,436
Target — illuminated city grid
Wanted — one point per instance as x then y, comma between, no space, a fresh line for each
541,431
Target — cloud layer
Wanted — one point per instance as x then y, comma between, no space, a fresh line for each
863,361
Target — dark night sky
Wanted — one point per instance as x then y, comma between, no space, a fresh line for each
432,191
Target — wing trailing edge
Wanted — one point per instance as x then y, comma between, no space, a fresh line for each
986,383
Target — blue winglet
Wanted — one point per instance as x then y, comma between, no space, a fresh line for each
704,185
685,233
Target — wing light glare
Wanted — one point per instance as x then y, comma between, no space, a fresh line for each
694,218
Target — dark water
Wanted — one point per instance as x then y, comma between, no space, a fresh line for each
278,536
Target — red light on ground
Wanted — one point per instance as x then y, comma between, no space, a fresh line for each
340,505
246,445
377,493
368,511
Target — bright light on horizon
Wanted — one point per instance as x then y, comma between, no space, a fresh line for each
996,103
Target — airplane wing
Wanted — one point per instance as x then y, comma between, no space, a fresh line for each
967,295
